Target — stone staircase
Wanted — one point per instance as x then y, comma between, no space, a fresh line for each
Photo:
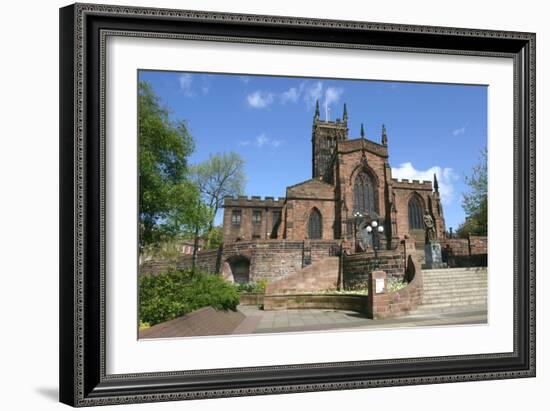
453,290
319,276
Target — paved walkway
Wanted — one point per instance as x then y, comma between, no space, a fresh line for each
252,320
259,321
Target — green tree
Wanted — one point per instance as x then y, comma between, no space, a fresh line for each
165,191
215,237
220,176
474,201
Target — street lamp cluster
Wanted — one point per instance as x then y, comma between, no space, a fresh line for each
374,229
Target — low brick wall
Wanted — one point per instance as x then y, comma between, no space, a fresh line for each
251,299
357,303
356,267
464,252
401,302
322,275
207,261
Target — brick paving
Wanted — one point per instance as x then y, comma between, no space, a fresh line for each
252,320
205,321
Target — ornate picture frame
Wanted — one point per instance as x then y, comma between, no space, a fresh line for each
84,29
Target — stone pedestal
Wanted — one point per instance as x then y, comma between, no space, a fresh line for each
377,298
432,256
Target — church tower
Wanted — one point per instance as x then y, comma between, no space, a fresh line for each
324,139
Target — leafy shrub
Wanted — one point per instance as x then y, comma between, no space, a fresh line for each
253,287
260,286
174,293
245,287
143,326
396,285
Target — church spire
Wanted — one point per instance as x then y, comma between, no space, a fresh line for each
317,114
362,131
345,116
384,136
436,184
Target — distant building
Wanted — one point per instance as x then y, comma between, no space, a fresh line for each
187,246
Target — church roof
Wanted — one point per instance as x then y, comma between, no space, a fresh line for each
348,146
313,188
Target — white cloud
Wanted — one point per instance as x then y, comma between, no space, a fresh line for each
262,141
459,131
291,95
206,85
276,143
244,79
313,93
332,95
185,81
260,99
445,177
309,92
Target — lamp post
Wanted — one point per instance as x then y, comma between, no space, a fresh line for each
375,229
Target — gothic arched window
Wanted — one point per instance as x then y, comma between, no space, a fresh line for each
314,225
364,194
415,213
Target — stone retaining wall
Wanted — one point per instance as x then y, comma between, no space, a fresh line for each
357,303
401,302
465,252
356,267
269,259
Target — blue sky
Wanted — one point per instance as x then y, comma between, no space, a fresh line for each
431,128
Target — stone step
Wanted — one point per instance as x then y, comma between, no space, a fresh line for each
430,273
455,277
436,283
447,293
450,291
438,310
464,275
465,286
453,280
456,274
437,306
457,288
480,299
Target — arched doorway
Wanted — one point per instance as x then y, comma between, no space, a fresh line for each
240,268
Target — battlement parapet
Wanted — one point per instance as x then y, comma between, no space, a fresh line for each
253,201
412,185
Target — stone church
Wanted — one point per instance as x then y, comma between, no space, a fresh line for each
351,184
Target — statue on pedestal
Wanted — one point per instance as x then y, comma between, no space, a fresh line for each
429,226
432,249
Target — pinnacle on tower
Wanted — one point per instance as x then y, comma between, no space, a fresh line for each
362,131
317,114
384,136
345,116
436,184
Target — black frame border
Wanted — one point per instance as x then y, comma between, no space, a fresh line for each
83,30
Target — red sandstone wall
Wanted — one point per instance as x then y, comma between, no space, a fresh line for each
388,305
461,246
320,276
348,162
297,216
269,259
